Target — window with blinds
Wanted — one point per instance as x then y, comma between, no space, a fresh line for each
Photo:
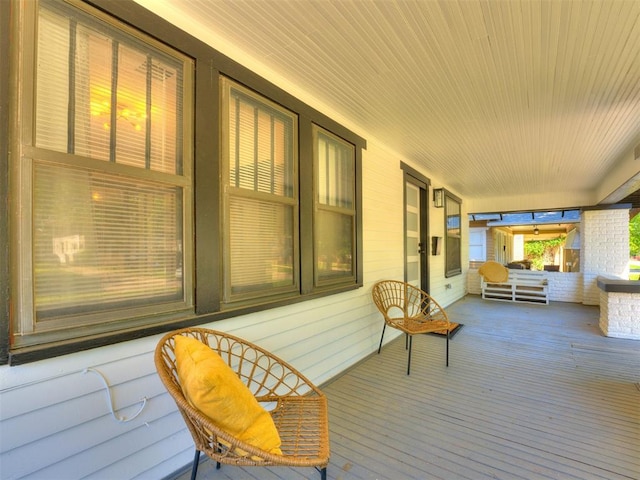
260,155
334,222
104,203
453,241
109,175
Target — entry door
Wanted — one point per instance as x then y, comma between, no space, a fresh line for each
415,233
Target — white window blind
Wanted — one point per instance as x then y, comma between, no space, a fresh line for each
453,240
334,225
261,235
110,193
105,96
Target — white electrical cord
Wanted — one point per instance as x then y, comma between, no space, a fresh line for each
108,389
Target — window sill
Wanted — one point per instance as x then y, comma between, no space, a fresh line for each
21,356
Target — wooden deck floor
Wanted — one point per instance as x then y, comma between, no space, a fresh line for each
532,392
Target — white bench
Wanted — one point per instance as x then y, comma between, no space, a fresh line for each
522,286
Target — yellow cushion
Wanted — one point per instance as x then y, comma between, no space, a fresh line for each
215,389
494,272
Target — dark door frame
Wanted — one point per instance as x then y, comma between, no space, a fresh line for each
410,175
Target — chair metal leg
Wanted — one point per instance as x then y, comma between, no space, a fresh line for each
323,473
447,348
409,359
383,328
196,461
218,464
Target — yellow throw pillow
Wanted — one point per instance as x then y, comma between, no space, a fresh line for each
494,272
215,389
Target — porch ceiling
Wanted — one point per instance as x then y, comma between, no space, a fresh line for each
495,98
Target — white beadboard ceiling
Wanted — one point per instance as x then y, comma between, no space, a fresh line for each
494,97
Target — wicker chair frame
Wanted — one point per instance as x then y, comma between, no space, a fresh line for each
299,409
410,310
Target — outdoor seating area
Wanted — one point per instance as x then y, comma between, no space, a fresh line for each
535,392
320,239
513,285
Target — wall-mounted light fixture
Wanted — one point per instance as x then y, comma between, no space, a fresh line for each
535,230
438,197
436,245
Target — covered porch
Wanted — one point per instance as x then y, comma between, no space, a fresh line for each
531,392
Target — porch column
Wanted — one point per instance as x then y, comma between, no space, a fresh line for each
604,247
619,308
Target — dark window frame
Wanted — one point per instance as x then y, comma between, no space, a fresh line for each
5,81
246,188
81,192
329,281
210,66
453,240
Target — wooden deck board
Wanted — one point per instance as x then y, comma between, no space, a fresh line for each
532,392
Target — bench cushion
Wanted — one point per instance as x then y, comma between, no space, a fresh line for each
494,272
